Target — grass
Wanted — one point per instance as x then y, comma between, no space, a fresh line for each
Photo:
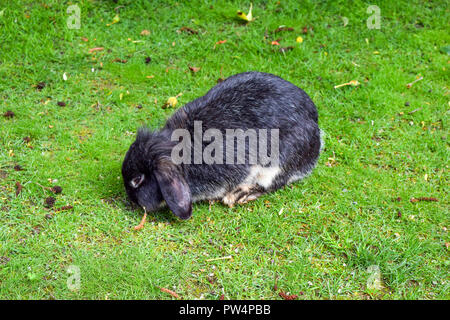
316,238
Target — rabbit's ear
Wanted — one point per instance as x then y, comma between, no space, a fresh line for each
175,191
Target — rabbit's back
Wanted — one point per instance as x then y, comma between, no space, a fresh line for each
248,100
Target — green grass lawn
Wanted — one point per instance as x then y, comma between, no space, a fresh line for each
318,239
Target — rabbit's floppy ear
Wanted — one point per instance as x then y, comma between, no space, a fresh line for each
175,190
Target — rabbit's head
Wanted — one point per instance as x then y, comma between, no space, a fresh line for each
150,176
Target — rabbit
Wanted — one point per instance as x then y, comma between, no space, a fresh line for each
245,101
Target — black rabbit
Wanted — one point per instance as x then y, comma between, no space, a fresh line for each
159,167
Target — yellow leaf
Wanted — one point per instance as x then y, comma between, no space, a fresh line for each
246,17
172,101
115,20
350,83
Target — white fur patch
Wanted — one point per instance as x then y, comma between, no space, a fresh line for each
263,176
297,176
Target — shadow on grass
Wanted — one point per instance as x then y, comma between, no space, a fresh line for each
121,202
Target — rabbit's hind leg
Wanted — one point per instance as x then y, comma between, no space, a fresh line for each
242,194
253,195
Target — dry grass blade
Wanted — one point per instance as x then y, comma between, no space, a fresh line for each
172,293
141,224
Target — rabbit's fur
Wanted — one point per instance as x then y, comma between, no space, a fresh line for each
250,100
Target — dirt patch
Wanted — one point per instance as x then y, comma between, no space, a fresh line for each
4,260
3,175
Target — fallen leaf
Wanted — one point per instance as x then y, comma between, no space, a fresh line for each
19,188
219,42
194,69
246,17
350,83
188,30
119,60
171,102
287,296
84,39
64,208
115,20
172,293
413,200
168,68
141,224
40,85
145,32
96,49
283,28
275,43
9,114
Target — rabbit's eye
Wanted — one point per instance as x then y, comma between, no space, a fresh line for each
137,181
